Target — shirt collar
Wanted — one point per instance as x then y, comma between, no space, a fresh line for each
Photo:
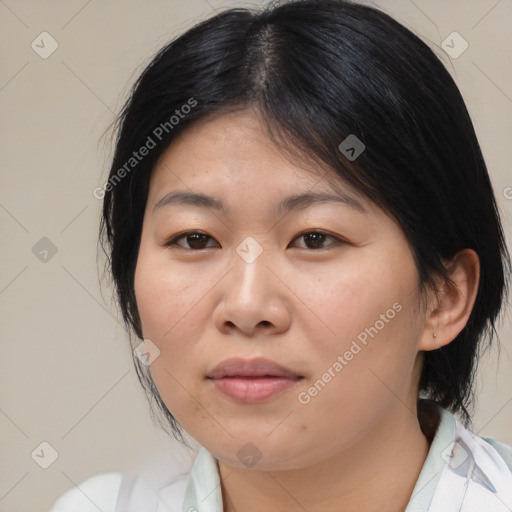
204,492
434,463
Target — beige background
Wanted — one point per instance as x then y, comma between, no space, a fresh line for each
66,372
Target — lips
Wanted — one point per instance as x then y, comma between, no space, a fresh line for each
260,367
252,381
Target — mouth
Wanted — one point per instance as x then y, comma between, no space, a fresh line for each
252,381
237,367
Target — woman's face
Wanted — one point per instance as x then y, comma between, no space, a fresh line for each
340,308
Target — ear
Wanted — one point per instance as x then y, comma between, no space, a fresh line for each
449,311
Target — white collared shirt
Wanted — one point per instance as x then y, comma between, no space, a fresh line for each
462,473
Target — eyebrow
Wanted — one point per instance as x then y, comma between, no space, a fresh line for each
293,202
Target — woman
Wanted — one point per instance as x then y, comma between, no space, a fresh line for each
305,242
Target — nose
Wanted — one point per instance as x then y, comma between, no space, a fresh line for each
253,297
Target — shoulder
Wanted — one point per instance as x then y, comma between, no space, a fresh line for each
498,450
98,492
503,450
161,477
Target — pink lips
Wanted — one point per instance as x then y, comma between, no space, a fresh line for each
252,381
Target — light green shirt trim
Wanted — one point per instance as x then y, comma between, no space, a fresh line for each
504,450
204,489
433,466
204,492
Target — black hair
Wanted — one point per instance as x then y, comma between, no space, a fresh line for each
318,71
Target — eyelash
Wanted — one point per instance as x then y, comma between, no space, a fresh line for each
173,241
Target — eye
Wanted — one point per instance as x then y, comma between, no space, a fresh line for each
316,239
195,239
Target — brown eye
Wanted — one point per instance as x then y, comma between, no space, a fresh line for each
195,240
315,239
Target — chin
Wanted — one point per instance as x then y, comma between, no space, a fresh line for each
258,453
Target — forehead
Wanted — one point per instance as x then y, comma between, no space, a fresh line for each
234,143
233,152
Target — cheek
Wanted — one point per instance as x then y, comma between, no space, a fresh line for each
167,301
172,316
166,297
363,372
358,298
372,322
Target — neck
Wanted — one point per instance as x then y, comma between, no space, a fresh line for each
364,477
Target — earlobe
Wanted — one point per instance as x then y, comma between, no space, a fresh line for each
446,318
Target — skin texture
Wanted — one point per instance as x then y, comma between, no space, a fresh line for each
357,444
